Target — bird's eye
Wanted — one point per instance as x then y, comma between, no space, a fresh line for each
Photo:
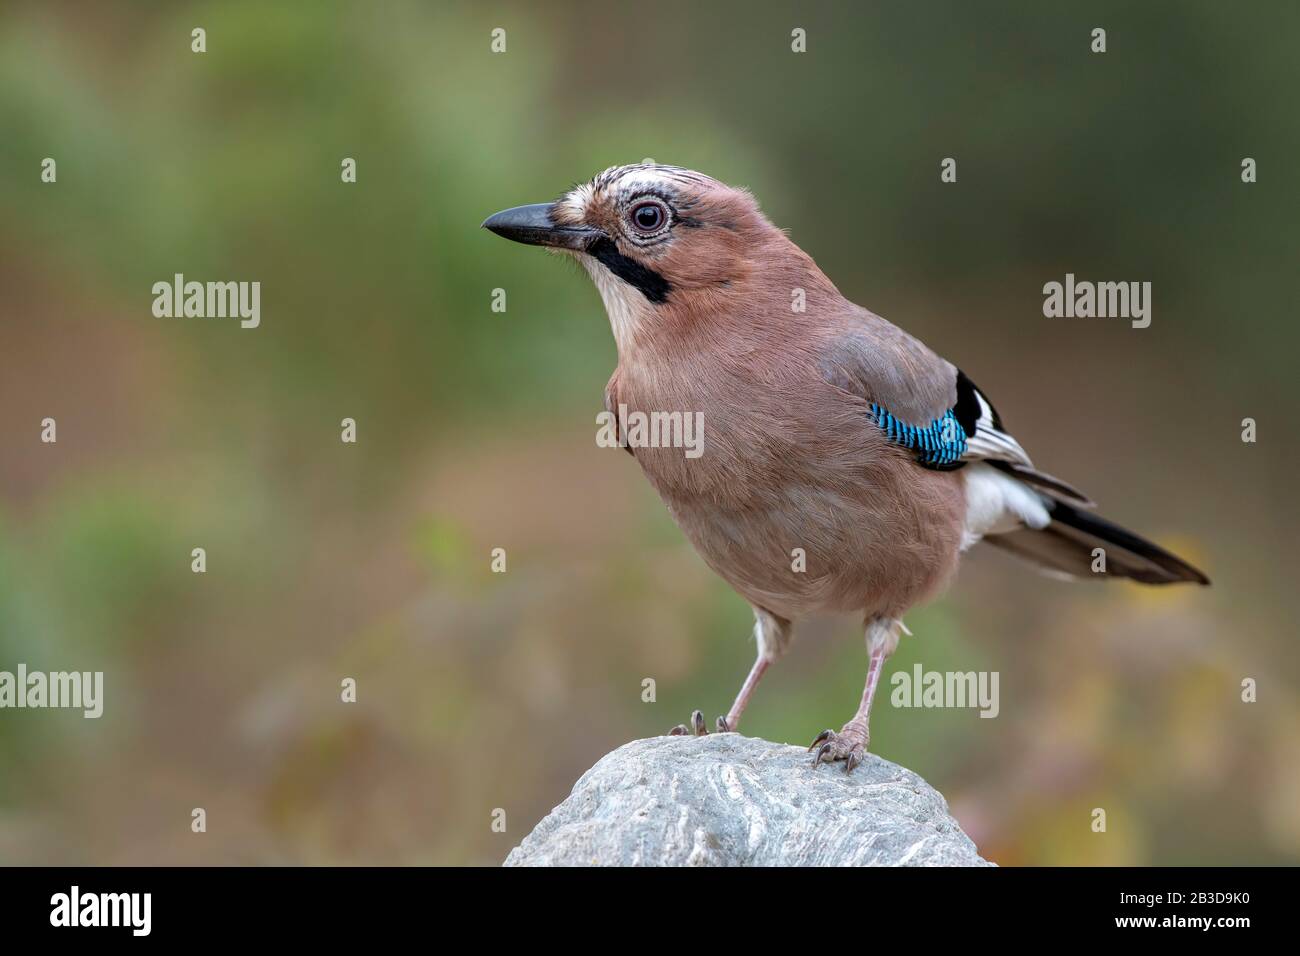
648,217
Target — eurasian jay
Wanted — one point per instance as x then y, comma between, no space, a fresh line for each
829,433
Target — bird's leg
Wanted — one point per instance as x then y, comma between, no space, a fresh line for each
732,720
850,744
772,634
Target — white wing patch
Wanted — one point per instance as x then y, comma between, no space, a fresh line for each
997,503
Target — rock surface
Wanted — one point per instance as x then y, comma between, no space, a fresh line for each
728,800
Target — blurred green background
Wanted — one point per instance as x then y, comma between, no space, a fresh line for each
476,429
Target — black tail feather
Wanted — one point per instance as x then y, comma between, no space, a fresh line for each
1066,546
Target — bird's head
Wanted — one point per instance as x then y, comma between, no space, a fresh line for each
664,245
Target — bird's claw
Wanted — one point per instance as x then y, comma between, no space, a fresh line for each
697,727
826,734
845,745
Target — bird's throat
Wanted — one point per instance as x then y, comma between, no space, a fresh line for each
627,307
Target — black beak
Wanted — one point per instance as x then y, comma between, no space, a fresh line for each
532,225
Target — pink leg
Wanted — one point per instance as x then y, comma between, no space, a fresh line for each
732,720
773,636
861,720
850,744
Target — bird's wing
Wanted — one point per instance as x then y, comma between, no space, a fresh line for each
925,403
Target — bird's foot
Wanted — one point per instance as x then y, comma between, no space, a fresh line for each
697,726
849,745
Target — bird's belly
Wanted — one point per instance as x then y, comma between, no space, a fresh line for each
798,549
803,506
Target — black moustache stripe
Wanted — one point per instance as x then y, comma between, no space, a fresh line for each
651,284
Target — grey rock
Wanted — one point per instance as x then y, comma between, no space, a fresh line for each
728,800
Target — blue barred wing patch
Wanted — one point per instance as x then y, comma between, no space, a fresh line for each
939,444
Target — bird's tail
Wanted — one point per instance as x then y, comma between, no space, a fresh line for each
1067,546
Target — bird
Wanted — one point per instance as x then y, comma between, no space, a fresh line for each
845,467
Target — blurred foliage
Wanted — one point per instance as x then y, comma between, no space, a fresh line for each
479,691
